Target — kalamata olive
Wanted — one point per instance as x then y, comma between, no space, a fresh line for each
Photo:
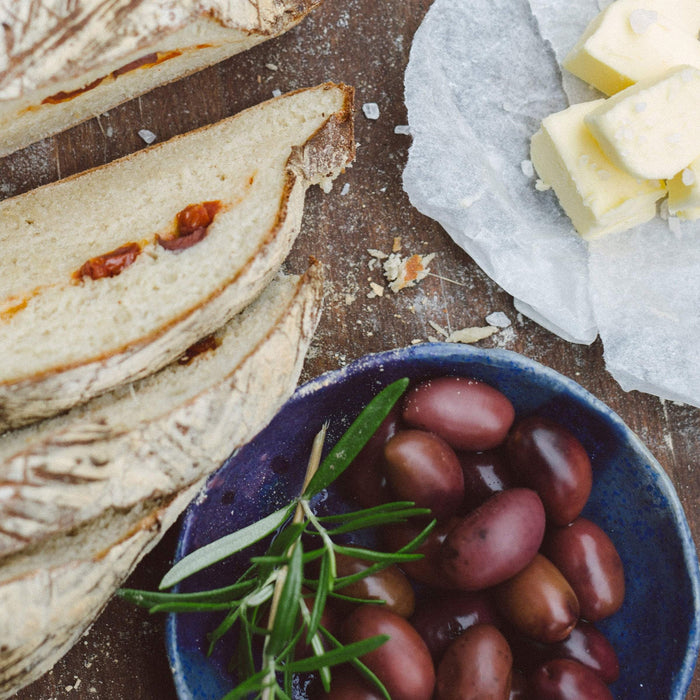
519,688
589,561
468,414
364,481
585,644
546,457
476,666
348,684
389,585
564,679
538,601
440,618
495,541
427,570
403,663
421,467
485,473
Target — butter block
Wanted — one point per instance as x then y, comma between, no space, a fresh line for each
635,40
684,192
598,197
652,129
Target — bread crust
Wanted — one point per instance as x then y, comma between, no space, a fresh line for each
65,581
321,158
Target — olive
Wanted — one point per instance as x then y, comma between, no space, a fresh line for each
589,561
348,684
485,473
564,679
468,414
546,457
389,585
440,618
538,601
364,481
403,663
476,666
519,688
421,467
495,541
428,569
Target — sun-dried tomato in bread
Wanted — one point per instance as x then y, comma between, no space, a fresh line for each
109,264
191,226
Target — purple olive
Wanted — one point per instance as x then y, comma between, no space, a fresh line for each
403,663
546,457
519,688
421,467
477,665
348,684
485,473
441,617
539,602
495,541
389,585
564,679
468,414
364,481
589,561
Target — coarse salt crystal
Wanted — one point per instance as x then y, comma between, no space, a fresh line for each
402,129
498,319
148,136
345,189
370,110
276,92
527,168
688,177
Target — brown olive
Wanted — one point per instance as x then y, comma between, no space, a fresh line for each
389,585
564,679
495,541
590,563
403,663
548,458
485,473
539,602
468,414
476,666
441,617
421,467
347,684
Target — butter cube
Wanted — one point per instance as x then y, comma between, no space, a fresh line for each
635,40
597,196
684,192
652,129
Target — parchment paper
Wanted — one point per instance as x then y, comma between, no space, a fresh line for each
481,76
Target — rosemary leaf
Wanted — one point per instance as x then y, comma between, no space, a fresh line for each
355,438
383,508
224,547
325,584
377,519
287,609
339,655
148,599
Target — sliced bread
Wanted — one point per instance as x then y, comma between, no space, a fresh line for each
115,473
62,63
111,274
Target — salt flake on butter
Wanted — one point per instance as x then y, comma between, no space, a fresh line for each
598,197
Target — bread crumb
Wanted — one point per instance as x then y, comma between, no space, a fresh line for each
271,66
349,299
471,335
406,272
396,247
377,254
377,290
439,329
148,136
542,186
370,110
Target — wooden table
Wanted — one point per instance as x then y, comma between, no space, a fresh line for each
364,43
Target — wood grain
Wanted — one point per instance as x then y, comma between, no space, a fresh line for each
366,44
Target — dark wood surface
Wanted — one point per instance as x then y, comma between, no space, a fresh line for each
364,43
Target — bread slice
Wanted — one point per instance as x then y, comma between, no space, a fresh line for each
62,63
65,337
97,488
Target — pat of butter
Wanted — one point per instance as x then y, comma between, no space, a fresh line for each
635,40
684,192
652,129
597,196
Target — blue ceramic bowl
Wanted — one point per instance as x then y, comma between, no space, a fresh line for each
656,633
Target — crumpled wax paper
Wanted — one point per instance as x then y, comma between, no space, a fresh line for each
481,77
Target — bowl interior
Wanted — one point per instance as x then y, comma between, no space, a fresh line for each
656,633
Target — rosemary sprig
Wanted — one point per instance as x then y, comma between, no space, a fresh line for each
268,599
